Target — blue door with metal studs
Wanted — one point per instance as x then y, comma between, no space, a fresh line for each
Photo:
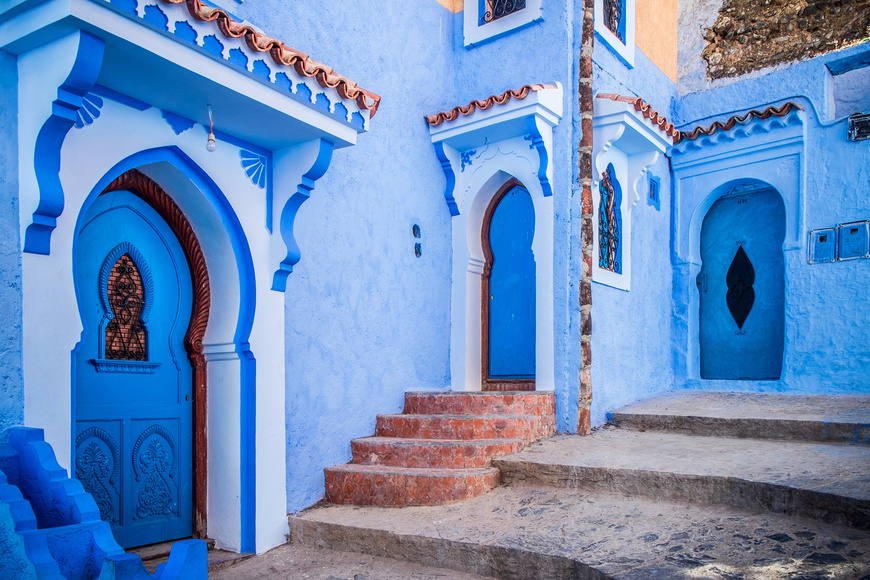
741,286
512,288
133,381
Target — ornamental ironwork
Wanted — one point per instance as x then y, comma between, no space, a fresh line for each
613,12
608,222
495,9
125,333
740,278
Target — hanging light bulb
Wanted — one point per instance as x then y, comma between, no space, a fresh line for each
211,144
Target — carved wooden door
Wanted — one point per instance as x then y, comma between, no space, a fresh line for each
741,287
133,380
510,288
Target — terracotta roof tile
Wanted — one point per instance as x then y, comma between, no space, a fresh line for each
648,112
282,54
771,111
485,104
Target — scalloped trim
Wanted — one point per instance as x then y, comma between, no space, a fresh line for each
485,104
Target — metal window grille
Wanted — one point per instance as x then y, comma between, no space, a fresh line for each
126,338
495,9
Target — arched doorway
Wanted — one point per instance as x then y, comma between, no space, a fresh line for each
508,297
144,296
741,285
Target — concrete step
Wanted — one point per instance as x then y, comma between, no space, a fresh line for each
525,427
817,480
541,403
436,453
824,418
384,485
530,533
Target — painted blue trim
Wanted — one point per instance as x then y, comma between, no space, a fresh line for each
451,179
288,214
247,294
156,17
178,123
538,143
849,63
248,445
121,98
49,141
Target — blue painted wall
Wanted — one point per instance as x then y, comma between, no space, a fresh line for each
366,319
11,382
826,306
632,357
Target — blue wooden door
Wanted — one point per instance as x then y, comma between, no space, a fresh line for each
133,380
512,288
741,286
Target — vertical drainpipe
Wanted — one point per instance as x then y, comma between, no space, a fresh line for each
584,424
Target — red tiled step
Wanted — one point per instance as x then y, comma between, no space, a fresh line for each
405,486
526,427
437,453
480,403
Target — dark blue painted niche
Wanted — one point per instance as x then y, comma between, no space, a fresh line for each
511,300
741,287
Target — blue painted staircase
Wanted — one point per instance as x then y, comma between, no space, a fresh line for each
50,527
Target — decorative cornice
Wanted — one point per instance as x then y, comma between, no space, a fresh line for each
282,54
485,104
648,112
767,113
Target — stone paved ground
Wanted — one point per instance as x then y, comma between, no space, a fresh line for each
304,563
619,536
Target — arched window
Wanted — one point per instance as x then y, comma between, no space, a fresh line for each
610,221
126,337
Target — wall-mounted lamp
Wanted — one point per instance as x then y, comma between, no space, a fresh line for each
211,144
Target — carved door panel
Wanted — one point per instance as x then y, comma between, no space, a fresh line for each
133,380
511,289
741,287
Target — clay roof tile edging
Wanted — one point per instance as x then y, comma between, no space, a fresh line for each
734,120
648,112
487,103
282,54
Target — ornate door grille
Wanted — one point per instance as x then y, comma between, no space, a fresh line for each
125,334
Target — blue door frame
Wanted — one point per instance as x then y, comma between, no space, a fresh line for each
508,296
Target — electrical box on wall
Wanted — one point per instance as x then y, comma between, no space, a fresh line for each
847,241
853,240
823,246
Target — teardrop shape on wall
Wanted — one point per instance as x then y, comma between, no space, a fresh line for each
740,278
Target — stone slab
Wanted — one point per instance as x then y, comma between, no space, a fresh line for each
530,533
311,563
825,481
832,418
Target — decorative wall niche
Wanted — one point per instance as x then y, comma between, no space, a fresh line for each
487,19
482,146
626,142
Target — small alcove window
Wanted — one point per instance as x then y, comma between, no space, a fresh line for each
126,337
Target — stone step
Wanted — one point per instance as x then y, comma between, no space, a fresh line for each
542,403
815,480
383,485
436,453
525,427
529,533
829,418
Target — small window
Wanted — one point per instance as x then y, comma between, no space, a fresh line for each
126,338
485,20
610,222
614,24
